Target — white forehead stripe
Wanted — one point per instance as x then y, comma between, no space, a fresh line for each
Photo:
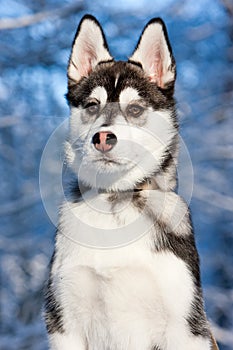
116,81
127,95
100,94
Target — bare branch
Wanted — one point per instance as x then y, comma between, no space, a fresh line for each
25,21
7,121
18,205
201,32
213,197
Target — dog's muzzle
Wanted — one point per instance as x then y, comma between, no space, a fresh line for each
104,141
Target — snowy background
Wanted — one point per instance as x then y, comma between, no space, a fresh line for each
35,40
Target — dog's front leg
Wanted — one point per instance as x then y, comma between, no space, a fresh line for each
67,341
63,332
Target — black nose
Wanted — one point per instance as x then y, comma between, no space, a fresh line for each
104,141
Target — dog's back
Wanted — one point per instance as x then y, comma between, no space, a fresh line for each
125,272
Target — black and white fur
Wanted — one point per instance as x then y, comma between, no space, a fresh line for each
145,295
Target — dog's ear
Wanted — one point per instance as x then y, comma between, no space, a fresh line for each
154,53
88,49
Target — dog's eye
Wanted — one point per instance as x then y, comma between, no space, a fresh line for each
134,110
92,108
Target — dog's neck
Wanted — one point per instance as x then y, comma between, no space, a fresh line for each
147,184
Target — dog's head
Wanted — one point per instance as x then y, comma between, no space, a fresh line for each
123,127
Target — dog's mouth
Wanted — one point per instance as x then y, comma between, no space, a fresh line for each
105,160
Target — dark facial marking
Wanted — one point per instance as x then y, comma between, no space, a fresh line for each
129,75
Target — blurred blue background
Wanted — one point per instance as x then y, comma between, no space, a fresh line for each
35,41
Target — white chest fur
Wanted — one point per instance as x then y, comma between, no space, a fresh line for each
125,295
129,297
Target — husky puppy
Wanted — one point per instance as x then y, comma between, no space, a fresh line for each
125,270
